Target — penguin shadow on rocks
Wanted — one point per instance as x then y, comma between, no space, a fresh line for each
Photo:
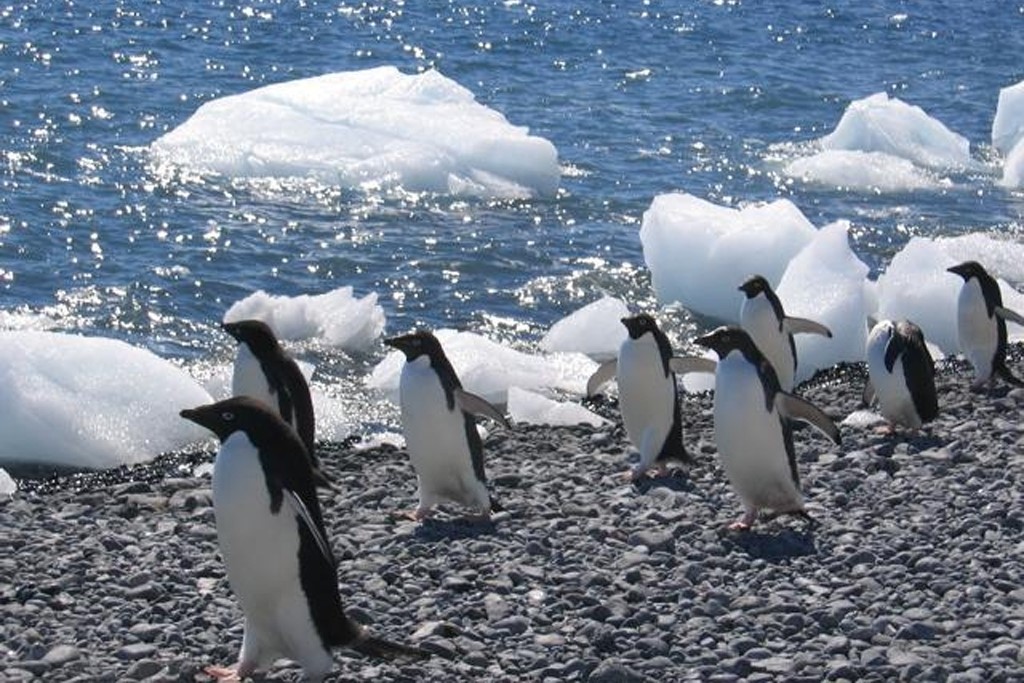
455,528
776,542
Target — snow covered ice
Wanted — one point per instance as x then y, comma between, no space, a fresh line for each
595,330
533,408
375,127
90,402
489,369
699,253
1008,124
336,318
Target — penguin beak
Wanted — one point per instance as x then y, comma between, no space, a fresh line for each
401,344
631,326
202,416
713,340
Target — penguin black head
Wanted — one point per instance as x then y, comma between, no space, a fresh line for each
754,286
255,334
639,325
224,418
416,344
726,339
969,269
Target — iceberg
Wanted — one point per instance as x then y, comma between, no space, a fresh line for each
1008,124
88,402
595,330
826,282
533,408
366,129
888,125
916,286
336,318
699,253
490,369
859,170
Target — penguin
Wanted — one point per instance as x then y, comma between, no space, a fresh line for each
753,430
901,374
981,324
440,430
645,370
271,534
764,319
266,372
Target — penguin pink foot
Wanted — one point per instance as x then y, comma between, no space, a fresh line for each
745,522
229,674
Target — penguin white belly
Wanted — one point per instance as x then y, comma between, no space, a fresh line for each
977,333
436,440
646,396
757,317
894,399
248,379
750,440
261,555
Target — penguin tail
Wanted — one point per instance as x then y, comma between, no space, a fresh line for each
382,648
496,506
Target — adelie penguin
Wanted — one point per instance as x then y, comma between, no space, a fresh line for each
764,319
752,427
648,394
271,535
901,374
981,324
264,371
440,430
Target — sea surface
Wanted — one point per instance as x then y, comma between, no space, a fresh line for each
640,99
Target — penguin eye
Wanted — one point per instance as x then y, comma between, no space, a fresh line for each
228,416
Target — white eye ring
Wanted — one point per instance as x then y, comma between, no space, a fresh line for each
228,416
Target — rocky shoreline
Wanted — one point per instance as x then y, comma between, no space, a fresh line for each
915,570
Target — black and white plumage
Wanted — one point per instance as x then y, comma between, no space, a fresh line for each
981,324
752,427
265,371
764,319
276,552
444,445
901,374
645,370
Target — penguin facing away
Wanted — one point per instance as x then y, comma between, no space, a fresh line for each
764,319
444,445
645,370
271,534
264,371
981,324
752,427
901,374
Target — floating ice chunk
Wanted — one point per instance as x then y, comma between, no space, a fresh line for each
826,282
1013,168
489,369
90,402
699,253
532,408
1008,124
337,318
882,124
595,330
8,487
916,285
857,170
376,127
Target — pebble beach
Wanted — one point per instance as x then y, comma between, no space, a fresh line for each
913,571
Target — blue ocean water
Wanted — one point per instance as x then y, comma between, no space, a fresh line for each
640,98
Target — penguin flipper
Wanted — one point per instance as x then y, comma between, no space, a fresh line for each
794,408
605,373
476,405
302,512
682,365
1007,314
381,648
805,326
